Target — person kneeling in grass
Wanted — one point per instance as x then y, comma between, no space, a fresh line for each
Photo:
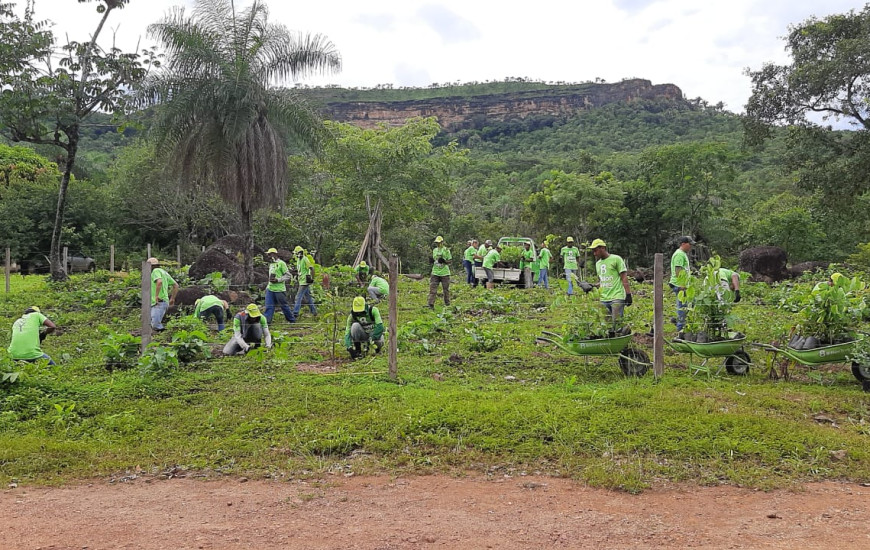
364,327
211,306
378,288
27,336
249,329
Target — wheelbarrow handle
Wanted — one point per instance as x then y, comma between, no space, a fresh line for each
547,340
552,334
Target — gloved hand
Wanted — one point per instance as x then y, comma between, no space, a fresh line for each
736,296
246,347
628,299
354,354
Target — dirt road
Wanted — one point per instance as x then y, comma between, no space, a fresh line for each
427,512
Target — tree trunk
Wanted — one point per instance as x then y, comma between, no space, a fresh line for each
248,232
58,270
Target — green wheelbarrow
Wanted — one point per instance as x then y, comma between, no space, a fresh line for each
632,361
836,353
736,362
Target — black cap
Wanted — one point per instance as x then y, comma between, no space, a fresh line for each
687,239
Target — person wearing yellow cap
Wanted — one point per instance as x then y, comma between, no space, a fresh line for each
211,306
276,290
305,272
364,327
612,280
361,273
27,336
441,258
161,297
570,256
250,328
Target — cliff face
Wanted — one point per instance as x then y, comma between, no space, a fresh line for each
456,113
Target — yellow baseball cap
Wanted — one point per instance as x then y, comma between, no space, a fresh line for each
298,249
359,304
439,239
253,310
596,243
272,251
33,309
570,239
363,264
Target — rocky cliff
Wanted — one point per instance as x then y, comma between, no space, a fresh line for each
456,113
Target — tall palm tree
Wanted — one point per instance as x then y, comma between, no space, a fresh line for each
219,121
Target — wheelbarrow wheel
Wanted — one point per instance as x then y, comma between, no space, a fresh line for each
633,362
738,363
861,372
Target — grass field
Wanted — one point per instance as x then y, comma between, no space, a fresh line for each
519,407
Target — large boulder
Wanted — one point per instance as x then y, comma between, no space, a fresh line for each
765,263
227,255
807,267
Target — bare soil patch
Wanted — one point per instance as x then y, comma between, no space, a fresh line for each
436,511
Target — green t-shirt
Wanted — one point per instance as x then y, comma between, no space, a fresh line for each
441,270
25,337
609,270
361,272
725,275
303,267
242,315
492,257
570,254
168,282
481,252
544,258
206,302
381,284
679,259
527,258
469,253
370,320
277,269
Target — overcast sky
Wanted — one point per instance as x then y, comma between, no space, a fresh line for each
702,47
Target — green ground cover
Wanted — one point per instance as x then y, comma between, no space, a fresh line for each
476,393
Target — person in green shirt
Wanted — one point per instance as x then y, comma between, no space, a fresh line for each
305,272
250,328
492,258
527,260
364,327
680,264
478,258
730,281
468,261
161,297
570,256
378,288
27,337
441,258
211,306
544,256
361,272
612,280
276,290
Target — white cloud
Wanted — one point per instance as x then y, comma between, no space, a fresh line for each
701,47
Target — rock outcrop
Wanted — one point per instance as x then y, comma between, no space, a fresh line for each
765,263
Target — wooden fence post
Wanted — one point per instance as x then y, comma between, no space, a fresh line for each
8,267
66,268
111,258
149,251
658,316
178,254
394,316
146,305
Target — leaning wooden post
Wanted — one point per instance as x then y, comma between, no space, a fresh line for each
394,316
658,316
111,258
8,267
178,254
146,305
66,260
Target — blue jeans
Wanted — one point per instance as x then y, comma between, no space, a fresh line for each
214,311
277,298
44,356
681,308
568,273
469,271
543,278
304,292
615,308
158,310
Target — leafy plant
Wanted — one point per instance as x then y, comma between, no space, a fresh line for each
120,350
190,345
589,320
833,312
158,361
483,339
495,304
216,282
709,302
511,255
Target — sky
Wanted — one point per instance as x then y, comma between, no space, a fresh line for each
703,47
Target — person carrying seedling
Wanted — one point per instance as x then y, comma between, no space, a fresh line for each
479,256
211,306
730,281
364,327
250,328
276,290
544,256
161,298
492,258
378,288
441,258
679,265
612,279
305,272
527,258
361,273
570,254
27,336
468,261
